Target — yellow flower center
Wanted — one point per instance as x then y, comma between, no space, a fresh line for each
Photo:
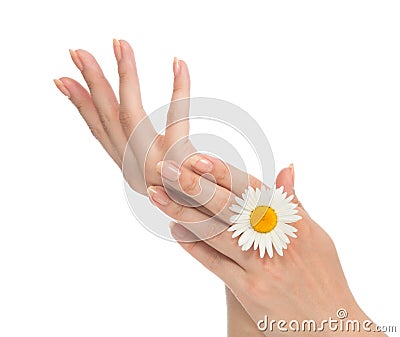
263,219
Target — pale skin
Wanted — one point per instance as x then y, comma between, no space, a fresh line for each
281,287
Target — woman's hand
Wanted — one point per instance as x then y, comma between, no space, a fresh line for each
112,122
307,283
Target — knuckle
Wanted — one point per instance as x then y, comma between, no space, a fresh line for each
109,116
105,120
80,106
126,120
178,212
93,79
254,182
123,74
189,183
96,131
209,230
124,71
221,204
91,84
222,173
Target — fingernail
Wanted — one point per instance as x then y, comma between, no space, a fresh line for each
201,164
169,170
178,231
177,66
60,85
291,167
76,59
158,195
117,49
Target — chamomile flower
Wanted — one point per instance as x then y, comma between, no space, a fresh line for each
263,219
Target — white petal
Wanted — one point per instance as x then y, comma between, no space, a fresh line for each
277,243
240,201
251,201
258,195
287,228
290,198
286,212
290,218
242,218
238,232
250,241
237,226
261,246
282,236
236,208
268,244
257,240
284,205
266,196
245,236
233,218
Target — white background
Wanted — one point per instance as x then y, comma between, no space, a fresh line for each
322,79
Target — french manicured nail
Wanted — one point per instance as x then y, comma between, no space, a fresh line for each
76,59
60,85
201,164
158,195
291,167
169,170
177,66
178,231
117,49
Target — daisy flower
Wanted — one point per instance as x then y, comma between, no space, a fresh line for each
263,218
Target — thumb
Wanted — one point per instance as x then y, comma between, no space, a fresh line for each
285,178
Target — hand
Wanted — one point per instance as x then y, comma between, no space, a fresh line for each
112,122
306,283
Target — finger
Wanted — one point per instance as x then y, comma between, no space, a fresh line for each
131,110
103,98
223,267
285,178
83,102
208,229
202,225
223,174
205,192
178,113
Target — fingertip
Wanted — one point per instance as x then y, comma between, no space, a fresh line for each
178,232
117,49
185,70
126,47
61,86
201,164
76,58
176,66
291,167
285,179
